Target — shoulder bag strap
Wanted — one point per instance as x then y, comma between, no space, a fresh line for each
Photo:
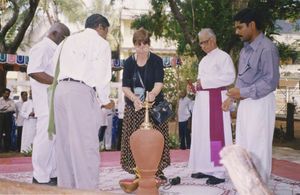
141,80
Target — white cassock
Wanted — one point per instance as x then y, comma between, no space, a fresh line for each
29,126
215,70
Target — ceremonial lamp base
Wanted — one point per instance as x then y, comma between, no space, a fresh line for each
147,145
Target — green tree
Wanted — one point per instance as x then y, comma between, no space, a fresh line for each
16,16
55,9
182,20
287,53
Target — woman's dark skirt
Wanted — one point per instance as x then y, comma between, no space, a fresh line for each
131,122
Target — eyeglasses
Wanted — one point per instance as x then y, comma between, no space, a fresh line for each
204,42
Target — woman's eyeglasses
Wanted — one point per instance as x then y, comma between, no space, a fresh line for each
139,42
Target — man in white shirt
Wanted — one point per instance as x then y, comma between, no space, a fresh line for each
211,127
20,119
85,69
29,124
7,108
41,70
184,113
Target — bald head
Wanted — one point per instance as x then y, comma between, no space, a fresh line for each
58,32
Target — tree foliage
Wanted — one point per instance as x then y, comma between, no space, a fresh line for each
16,16
19,16
170,86
273,10
287,53
182,20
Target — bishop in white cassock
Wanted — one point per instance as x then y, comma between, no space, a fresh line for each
211,127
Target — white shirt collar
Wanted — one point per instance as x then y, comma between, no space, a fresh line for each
213,51
51,43
92,32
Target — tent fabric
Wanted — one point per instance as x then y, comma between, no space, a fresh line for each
14,62
167,62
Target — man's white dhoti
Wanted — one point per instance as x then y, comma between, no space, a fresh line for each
43,157
254,131
29,126
200,153
28,134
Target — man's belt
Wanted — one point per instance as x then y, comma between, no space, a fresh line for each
70,79
74,80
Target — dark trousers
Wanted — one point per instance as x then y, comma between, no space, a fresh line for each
119,134
5,130
19,137
101,133
184,135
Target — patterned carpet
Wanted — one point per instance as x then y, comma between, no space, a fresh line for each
110,176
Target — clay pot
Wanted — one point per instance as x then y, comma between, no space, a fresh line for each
147,146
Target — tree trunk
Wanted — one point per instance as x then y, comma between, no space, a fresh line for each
188,35
2,80
21,30
25,24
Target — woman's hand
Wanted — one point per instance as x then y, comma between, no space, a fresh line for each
137,104
155,91
151,96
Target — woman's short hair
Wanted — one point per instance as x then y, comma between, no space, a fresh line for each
141,35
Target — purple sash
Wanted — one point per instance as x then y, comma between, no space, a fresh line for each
217,141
